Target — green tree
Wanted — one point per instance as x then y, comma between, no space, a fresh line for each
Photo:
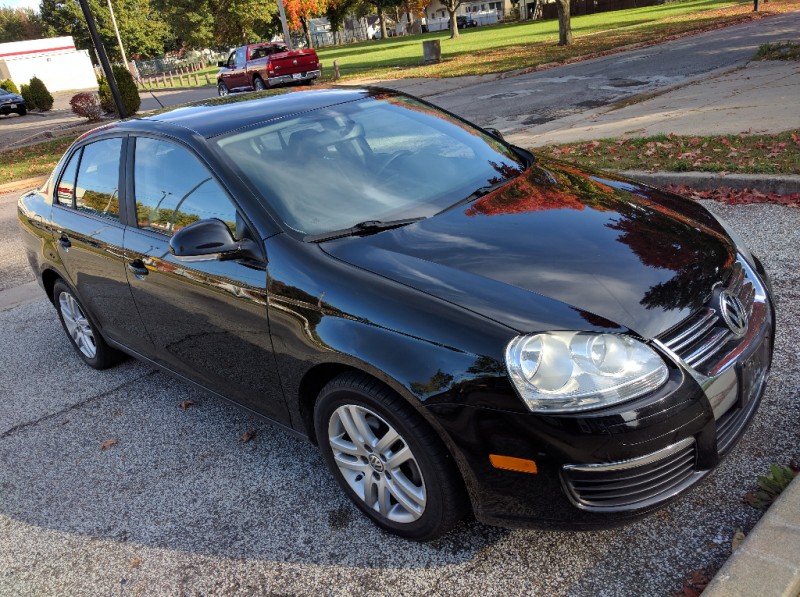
19,24
127,89
142,28
564,26
192,21
40,96
382,5
241,21
336,12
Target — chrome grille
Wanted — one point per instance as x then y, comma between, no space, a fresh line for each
701,337
634,483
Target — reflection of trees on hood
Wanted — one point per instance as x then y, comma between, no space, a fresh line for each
653,224
672,243
559,187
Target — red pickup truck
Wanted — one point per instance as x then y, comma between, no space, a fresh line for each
263,65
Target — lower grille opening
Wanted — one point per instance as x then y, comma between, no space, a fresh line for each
634,483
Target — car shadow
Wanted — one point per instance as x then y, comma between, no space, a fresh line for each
131,466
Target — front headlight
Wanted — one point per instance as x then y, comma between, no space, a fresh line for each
575,371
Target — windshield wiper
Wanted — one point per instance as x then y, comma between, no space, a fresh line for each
361,229
477,193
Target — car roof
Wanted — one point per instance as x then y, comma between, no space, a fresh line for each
219,115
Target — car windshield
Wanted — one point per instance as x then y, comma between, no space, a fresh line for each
383,158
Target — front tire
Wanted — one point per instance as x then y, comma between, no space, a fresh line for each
387,459
22,111
81,331
222,90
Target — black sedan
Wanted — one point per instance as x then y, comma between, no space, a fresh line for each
12,103
459,325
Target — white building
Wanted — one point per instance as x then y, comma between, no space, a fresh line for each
54,60
436,9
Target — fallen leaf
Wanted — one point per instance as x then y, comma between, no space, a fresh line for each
737,539
186,404
136,562
109,443
247,436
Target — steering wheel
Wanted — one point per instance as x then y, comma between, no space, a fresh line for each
396,156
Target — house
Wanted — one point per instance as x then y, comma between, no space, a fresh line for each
55,61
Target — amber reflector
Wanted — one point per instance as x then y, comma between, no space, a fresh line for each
513,464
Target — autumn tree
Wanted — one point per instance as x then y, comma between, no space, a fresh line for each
564,27
19,24
300,12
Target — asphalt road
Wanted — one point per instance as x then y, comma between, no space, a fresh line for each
180,507
515,104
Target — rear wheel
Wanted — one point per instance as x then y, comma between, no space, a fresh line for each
387,459
82,333
258,84
222,90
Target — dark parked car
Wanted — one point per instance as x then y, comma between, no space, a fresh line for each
12,103
464,22
459,325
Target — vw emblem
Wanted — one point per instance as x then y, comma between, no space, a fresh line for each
733,313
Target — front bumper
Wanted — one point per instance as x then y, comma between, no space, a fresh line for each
304,76
603,468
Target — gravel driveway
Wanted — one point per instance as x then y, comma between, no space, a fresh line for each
180,506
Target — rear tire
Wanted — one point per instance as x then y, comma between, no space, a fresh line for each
387,459
258,84
81,330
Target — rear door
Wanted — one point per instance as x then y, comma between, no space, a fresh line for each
89,236
207,319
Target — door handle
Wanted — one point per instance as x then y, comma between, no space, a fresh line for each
64,242
137,268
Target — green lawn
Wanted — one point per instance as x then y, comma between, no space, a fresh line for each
33,160
503,47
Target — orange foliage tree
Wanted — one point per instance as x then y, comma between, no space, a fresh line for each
299,12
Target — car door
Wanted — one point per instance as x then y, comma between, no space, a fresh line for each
207,319
89,236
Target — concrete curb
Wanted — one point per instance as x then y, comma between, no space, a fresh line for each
707,181
768,561
22,185
20,295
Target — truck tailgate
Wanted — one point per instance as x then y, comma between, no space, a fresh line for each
297,61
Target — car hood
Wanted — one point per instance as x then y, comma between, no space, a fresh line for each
618,253
11,99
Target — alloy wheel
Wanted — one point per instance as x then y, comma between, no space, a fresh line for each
78,326
377,463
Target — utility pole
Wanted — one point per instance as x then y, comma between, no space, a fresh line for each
101,53
116,30
286,39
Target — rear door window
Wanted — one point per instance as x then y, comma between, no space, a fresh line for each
97,186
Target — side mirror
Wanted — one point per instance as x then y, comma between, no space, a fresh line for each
209,240
495,133
222,64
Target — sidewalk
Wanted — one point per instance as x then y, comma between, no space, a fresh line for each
762,97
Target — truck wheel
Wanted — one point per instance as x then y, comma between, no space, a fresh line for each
258,83
222,90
